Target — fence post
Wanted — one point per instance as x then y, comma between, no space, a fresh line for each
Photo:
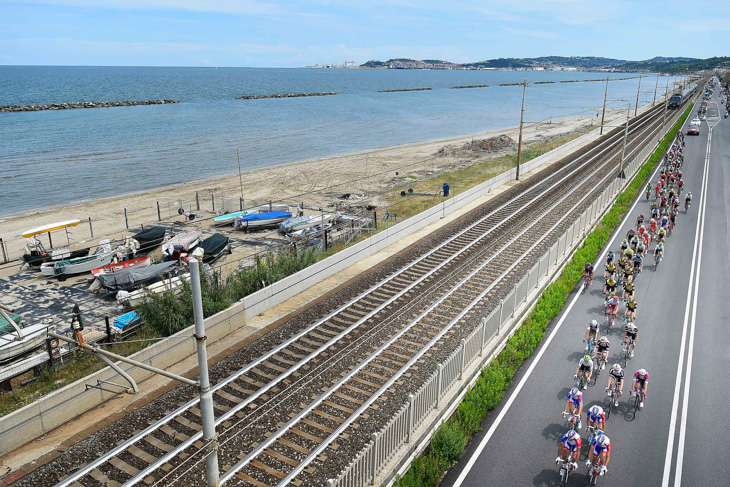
463,358
159,215
91,228
108,329
240,204
484,336
514,301
409,420
126,222
212,199
5,253
197,201
501,314
374,457
439,378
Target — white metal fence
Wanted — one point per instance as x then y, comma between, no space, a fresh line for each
364,468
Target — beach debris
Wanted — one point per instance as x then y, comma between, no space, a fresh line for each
82,104
284,95
476,147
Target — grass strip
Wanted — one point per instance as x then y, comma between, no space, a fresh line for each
449,442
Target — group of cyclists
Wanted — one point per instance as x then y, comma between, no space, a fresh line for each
620,272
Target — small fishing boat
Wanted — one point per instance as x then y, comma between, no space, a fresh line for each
36,254
130,278
104,255
229,218
301,222
305,233
185,241
126,264
16,341
258,221
149,238
214,246
134,298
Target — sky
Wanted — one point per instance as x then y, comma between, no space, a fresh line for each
287,33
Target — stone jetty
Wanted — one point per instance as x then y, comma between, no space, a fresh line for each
405,89
83,104
283,95
468,86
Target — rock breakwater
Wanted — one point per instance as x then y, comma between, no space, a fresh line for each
82,104
283,95
405,89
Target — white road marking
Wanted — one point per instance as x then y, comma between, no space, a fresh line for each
511,400
688,370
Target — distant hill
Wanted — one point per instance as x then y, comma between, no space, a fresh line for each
669,65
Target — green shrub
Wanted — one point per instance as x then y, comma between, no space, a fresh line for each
449,442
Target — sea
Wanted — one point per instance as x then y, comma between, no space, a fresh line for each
56,158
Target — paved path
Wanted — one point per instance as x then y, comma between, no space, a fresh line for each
518,444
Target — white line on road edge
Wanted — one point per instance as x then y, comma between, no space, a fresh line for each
508,404
688,370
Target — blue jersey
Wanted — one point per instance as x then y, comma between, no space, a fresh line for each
571,445
576,399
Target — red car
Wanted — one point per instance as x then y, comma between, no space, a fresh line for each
693,130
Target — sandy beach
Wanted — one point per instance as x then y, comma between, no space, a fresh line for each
315,182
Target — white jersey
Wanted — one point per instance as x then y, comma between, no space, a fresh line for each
588,364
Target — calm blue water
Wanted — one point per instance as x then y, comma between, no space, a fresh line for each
53,158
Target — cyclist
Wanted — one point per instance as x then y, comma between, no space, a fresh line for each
654,212
641,246
588,270
592,332
687,200
634,241
569,446
657,190
585,369
616,376
631,309
641,383
675,202
642,231
640,220
648,190
680,185
612,305
664,222
628,290
629,254
661,235
628,272
631,336
602,349
638,263
610,287
610,257
574,404
652,226
599,453
624,245
659,251
672,220
630,234
596,418
610,270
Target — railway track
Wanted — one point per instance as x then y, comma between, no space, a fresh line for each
331,373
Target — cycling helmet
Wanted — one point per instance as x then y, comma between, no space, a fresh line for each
652,221
631,327
642,372
588,264
632,230
689,193
603,339
586,358
596,410
601,440
617,368
643,226
642,215
626,240
572,434
594,323
574,391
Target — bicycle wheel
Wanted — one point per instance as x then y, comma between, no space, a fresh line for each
593,476
564,472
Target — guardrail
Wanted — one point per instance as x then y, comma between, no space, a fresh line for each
384,445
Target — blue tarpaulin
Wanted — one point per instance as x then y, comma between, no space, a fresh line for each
126,320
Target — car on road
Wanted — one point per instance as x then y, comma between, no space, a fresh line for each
694,127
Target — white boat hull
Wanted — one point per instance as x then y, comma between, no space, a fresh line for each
80,266
34,336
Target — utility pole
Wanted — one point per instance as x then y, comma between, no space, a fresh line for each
240,179
664,115
522,119
603,117
655,88
621,174
206,397
636,109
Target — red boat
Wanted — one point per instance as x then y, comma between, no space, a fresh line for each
126,264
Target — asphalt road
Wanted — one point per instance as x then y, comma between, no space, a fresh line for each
519,440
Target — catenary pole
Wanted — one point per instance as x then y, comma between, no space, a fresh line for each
636,108
655,88
522,120
206,397
623,149
605,96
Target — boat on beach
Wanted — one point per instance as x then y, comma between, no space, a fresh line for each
302,222
229,218
103,255
257,221
126,264
36,254
131,278
213,247
16,341
149,238
184,241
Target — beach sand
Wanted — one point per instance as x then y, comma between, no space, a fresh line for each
315,182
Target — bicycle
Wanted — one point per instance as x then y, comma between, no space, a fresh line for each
588,279
639,397
573,420
686,205
613,398
591,346
592,429
657,259
611,316
566,468
599,363
594,471
627,350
